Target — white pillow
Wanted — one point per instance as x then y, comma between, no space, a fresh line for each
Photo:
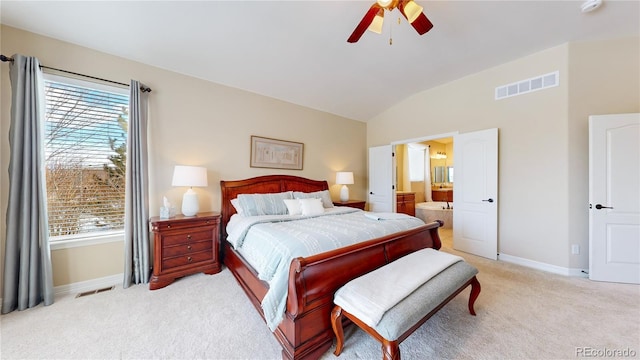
311,206
236,205
293,205
323,194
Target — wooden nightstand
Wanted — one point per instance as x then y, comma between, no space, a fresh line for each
359,204
184,245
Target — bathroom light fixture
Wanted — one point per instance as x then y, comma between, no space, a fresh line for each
344,178
439,155
189,176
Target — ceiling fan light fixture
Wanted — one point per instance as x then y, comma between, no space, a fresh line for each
412,10
376,23
387,4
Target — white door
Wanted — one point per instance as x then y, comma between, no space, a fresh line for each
614,198
381,175
475,195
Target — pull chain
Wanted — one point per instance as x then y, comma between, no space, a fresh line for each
391,32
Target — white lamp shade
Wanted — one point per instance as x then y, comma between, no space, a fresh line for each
189,176
344,178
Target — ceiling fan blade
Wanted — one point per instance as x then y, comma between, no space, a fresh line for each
421,23
364,23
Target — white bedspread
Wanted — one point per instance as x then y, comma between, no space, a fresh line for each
270,243
366,297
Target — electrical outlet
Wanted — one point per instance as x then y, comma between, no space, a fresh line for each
575,249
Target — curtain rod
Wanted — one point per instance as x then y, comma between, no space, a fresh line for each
142,88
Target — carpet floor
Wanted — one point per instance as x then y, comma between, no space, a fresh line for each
521,314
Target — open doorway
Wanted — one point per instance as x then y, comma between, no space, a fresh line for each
424,172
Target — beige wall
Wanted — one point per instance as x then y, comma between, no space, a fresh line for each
542,138
191,122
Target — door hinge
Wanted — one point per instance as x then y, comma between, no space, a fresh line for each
393,154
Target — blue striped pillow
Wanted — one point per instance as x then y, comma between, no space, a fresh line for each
324,195
264,204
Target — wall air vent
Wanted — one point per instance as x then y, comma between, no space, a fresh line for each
528,85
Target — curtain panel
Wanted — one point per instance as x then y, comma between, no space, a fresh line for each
137,247
28,277
427,174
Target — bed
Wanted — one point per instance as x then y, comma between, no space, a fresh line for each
305,331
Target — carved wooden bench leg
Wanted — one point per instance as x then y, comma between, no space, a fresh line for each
390,350
475,291
336,323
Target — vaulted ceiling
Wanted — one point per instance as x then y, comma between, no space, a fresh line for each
297,51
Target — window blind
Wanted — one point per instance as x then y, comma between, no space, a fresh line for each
85,158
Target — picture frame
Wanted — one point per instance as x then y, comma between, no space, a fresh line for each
276,154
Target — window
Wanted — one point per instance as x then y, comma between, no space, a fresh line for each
85,156
416,163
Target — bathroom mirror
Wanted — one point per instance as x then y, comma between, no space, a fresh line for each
442,174
439,174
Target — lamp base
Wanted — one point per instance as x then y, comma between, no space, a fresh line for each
190,204
344,193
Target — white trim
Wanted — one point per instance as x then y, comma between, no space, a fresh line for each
426,138
80,241
88,285
543,266
77,80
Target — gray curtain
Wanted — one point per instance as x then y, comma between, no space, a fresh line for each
136,228
28,278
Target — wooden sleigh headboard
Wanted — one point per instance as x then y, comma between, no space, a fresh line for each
262,185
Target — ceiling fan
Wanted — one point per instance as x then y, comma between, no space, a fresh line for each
372,20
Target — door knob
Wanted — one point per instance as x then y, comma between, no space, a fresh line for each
598,206
489,200
370,192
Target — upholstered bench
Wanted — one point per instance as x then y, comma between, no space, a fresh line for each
393,301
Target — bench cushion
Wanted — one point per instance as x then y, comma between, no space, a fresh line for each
369,296
427,297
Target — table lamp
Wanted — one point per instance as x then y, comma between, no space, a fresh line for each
344,178
189,176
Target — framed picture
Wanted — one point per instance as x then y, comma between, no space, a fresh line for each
276,154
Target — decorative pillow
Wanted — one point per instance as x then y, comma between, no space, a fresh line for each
324,195
264,204
293,205
311,206
236,205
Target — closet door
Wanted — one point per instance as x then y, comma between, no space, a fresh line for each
614,198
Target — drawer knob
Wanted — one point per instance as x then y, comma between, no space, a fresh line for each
189,247
189,259
168,226
208,221
189,237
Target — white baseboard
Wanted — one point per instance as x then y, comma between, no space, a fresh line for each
543,266
88,285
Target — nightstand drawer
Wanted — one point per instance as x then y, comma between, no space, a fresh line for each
185,249
186,237
186,259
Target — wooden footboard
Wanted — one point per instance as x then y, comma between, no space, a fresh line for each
305,332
